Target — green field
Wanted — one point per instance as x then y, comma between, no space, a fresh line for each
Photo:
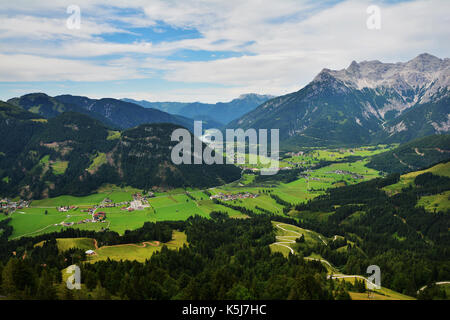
65,244
113,135
137,252
69,200
382,294
81,243
442,169
34,221
313,156
175,205
438,202
59,167
97,162
377,294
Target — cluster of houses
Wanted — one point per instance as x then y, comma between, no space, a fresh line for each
231,197
96,217
295,154
66,208
7,204
256,170
99,217
140,202
311,178
108,203
345,172
297,164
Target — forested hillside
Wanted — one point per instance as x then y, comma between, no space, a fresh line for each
408,243
74,154
419,153
111,112
226,259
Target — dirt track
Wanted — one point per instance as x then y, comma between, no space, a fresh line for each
142,245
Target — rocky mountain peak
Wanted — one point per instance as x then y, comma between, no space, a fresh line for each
424,63
425,72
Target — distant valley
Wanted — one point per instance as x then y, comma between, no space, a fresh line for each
221,112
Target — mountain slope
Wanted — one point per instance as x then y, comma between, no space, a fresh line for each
169,107
48,107
124,114
414,155
221,112
112,112
143,156
420,120
365,103
74,154
17,127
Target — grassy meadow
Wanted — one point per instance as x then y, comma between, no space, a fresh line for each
176,205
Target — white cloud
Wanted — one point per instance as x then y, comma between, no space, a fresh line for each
284,43
34,68
288,55
40,28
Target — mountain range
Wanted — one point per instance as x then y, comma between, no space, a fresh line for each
368,102
111,112
128,113
75,154
221,112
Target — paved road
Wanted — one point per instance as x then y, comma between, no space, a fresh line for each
287,239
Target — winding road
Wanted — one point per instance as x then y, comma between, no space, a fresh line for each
286,239
343,276
141,245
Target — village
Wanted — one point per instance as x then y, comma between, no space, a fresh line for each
257,170
231,197
345,172
7,205
139,202
96,217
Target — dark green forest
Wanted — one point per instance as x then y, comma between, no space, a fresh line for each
409,244
231,259
411,156
138,157
226,259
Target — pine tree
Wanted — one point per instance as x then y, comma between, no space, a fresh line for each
8,285
46,290
100,293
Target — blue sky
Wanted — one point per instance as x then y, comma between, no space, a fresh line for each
209,51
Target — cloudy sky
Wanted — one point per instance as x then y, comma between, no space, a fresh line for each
209,51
